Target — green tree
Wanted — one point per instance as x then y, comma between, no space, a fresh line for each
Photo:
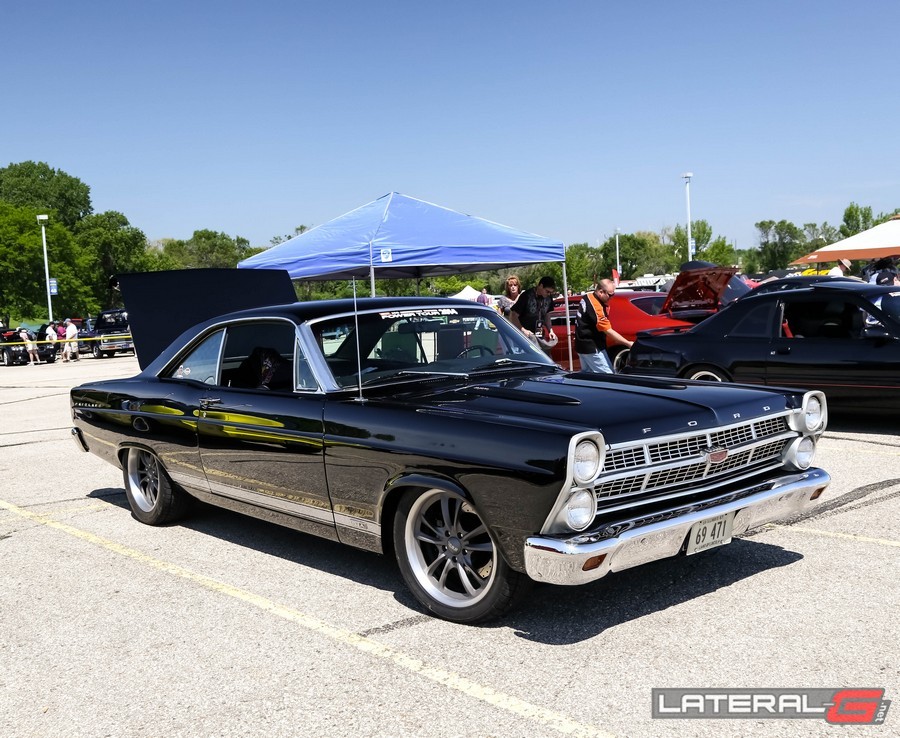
720,252
779,243
37,185
23,287
114,247
856,220
275,240
207,249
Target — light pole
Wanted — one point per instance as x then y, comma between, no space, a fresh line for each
42,219
687,193
618,261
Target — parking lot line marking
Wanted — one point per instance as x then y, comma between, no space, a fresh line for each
834,534
549,718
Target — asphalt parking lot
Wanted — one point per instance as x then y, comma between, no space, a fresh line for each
227,626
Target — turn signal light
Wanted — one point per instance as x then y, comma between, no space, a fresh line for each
593,562
817,494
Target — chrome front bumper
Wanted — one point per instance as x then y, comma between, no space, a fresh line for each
574,560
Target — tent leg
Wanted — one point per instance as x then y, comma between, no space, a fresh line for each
566,303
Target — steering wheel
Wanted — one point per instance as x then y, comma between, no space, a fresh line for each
480,348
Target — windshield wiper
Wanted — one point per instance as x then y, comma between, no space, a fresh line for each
505,362
412,373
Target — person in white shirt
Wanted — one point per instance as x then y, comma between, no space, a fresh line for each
70,352
840,269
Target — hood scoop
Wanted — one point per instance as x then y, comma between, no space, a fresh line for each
520,395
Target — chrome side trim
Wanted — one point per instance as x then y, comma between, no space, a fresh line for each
562,560
281,504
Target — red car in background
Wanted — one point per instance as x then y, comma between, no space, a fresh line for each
695,294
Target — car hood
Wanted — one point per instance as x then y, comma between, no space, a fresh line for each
700,289
622,407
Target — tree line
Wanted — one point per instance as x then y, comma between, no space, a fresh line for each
85,249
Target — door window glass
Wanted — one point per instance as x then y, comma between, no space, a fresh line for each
201,364
757,323
259,355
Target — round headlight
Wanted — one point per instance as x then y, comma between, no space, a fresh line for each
580,509
586,464
806,450
812,413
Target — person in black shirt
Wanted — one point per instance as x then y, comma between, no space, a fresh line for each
531,312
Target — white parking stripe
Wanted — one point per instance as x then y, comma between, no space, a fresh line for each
535,713
833,534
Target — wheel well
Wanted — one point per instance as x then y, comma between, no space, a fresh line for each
392,501
690,369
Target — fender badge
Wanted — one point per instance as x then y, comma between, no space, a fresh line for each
716,454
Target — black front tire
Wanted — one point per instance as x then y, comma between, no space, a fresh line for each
95,351
7,358
449,559
153,497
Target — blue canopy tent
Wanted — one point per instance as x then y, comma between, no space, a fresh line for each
400,236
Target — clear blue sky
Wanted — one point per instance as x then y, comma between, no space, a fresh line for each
567,119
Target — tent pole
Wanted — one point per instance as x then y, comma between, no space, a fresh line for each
566,303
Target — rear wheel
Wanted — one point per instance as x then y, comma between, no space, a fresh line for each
620,359
153,498
449,560
706,373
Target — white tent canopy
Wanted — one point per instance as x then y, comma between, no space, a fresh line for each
468,293
877,242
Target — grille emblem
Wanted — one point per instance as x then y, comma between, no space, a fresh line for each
716,454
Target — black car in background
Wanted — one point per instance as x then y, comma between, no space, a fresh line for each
106,334
12,348
838,336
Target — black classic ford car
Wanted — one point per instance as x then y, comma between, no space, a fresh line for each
431,429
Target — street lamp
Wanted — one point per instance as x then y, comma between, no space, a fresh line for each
618,261
687,193
42,219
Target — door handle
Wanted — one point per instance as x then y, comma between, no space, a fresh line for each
210,401
783,350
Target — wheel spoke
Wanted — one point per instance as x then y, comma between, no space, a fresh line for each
470,580
441,560
480,530
435,540
449,518
486,547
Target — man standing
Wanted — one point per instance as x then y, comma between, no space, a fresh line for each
531,312
70,350
484,298
593,329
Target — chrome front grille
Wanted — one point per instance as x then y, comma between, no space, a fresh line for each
657,466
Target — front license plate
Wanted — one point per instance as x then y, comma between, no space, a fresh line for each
710,533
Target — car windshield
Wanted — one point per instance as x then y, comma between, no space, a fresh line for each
453,341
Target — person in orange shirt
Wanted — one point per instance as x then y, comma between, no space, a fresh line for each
593,329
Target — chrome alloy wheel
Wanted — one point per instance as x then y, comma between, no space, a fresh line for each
143,479
450,553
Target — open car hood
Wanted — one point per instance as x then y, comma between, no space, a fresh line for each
702,289
162,305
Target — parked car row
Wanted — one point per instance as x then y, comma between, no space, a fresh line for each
102,336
